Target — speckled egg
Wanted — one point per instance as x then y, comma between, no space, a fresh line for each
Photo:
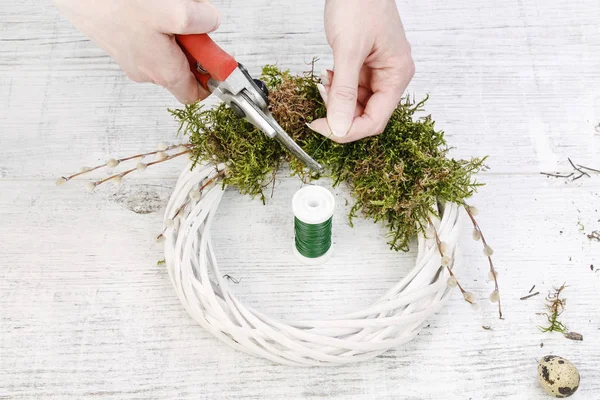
558,376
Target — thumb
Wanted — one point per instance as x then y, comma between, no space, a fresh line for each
343,94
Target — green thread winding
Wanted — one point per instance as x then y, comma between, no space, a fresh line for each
313,240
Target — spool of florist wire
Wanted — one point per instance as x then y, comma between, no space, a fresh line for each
313,216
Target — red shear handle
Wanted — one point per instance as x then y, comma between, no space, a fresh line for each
215,61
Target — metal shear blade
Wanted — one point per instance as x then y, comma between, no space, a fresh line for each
244,104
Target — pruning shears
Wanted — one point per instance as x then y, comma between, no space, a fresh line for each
219,73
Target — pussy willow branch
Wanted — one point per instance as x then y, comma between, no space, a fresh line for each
119,160
127,172
439,246
200,189
492,269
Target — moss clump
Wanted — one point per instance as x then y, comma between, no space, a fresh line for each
396,177
555,305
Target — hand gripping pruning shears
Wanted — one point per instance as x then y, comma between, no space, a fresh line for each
221,74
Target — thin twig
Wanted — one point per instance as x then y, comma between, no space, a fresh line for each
557,175
211,180
576,168
588,168
68,178
531,290
232,279
528,296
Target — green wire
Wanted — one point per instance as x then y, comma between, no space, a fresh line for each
313,240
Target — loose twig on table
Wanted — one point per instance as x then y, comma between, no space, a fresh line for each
577,167
528,296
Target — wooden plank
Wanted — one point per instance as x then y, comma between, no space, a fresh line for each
86,312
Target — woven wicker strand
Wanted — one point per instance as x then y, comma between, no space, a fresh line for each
392,320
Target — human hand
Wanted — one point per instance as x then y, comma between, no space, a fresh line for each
139,36
372,68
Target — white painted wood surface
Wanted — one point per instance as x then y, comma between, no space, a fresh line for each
86,312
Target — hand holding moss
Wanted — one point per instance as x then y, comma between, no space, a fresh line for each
138,35
372,68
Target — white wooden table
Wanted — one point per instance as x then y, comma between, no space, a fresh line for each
85,311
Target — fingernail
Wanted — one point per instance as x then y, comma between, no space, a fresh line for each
339,123
325,78
322,92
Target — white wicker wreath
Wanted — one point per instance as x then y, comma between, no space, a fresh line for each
392,320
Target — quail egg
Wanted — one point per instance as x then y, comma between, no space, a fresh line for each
558,376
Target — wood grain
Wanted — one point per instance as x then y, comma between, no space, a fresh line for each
86,312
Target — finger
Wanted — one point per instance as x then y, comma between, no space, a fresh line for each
363,96
364,77
344,90
186,16
322,126
173,73
377,113
381,104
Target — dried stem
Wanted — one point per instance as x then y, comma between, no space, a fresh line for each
588,168
489,257
85,171
557,175
529,296
577,169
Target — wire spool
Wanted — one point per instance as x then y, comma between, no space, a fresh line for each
313,208
395,318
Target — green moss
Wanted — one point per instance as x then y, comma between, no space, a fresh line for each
396,178
555,305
